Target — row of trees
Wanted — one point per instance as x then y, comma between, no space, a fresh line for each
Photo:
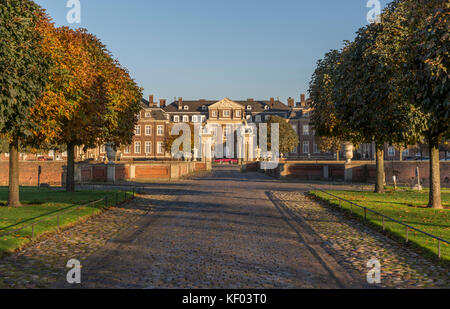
389,85
58,88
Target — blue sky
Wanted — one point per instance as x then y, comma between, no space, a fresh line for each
212,49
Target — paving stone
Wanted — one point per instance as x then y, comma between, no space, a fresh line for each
400,266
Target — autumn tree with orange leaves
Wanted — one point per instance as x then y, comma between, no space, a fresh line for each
90,99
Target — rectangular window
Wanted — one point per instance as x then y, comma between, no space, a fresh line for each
126,150
194,119
391,152
257,118
406,152
226,113
137,130
238,114
176,118
160,130
137,147
185,118
295,128
316,148
148,130
214,113
103,149
306,147
160,148
148,147
306,129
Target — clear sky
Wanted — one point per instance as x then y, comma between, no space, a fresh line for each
211,49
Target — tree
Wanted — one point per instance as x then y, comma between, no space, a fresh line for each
367,102
287,136
415,42
327,144
331,131
90,99
24,70
4,146
169,138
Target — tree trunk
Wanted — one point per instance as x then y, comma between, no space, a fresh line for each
13,196
435,178
70,175
381,178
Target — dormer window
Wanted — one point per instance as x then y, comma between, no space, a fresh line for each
249,107
204,108
148,115
266,107
186,107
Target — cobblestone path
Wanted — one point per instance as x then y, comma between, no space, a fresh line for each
43,263
353,244
222,230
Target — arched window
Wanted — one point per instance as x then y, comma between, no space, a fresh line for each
204,108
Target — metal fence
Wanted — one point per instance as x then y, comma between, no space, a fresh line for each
58,214
385,218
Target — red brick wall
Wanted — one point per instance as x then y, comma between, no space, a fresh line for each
362,172
147,172
28,176
405,172
200,167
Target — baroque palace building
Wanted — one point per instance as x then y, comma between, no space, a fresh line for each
156,119
155,122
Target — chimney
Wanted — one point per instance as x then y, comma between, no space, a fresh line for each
150,101
162,103
180,103
291,102
272,102
302,100
250,100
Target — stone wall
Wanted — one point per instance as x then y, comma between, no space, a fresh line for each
51,173
358,171
137,171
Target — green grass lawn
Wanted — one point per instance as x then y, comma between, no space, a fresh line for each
406,206
45,203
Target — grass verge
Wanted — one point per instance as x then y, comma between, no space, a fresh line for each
406,206
44,204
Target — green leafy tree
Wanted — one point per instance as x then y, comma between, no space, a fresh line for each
24,70
367,102
169,138
415,43
331,131
330,144
287,136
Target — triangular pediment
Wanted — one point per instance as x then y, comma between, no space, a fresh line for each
226,104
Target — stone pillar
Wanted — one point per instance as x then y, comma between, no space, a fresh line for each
326,173
111,172
348,172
